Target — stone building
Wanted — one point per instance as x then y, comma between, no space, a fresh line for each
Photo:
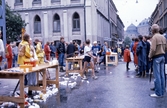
113,23
120,29
159,15
143,27
131,31
78,20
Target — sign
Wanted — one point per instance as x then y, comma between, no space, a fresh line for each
120,42
107,39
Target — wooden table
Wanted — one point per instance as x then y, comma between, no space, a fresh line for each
21,75
74,59
109,61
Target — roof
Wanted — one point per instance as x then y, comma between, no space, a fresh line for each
132,29
145,22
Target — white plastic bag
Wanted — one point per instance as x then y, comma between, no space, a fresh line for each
131,56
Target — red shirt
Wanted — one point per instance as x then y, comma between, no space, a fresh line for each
9,51
47,50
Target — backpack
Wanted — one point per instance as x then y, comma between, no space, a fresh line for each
21,49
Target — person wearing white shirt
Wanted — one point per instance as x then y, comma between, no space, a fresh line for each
2,50
87,59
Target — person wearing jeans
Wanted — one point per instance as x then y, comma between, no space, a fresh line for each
15,54
157,51
61,52
158,71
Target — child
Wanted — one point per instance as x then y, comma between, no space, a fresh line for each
127,58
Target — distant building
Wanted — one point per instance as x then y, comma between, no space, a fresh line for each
143,27
131,31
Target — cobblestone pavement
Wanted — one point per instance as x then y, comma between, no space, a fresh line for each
115,88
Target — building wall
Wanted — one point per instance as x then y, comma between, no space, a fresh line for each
99,20
159,15
162,8
113,23
144,30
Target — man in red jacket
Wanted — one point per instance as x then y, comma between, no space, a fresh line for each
47,51
9,54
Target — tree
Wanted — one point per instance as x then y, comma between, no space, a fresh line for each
14,24
127,41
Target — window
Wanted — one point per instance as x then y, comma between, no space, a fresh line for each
36,1
56,23
55,0
19,1
75,0
76,22
37,24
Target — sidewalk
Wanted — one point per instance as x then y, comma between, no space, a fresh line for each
115,88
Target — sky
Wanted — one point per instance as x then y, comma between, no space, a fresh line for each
132,12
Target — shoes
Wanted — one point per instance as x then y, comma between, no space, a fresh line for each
128,69
61,69
84,77
152,89
138,75
96,71
95,77
154,95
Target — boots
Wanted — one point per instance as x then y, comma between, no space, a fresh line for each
61,69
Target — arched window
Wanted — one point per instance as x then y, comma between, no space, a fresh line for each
37,24
76,22
56,23
18,1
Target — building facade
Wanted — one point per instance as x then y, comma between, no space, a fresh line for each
78,20
131,31
113,23
120,29
159,15
143,27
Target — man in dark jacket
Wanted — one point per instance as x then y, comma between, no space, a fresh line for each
61,52
142,56
70,49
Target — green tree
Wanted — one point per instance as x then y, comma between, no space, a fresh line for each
127,41
14,24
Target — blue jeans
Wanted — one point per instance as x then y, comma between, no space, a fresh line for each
158,70
61,59
14,60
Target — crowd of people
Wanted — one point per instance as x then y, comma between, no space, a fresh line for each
150,55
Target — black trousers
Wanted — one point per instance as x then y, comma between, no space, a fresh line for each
127,65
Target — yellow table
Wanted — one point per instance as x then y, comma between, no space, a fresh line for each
4,74
74,59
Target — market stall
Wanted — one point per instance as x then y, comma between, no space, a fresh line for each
18,73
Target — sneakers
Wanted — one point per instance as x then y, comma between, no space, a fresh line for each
138,75
155,96
95,77
84,77
152,89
